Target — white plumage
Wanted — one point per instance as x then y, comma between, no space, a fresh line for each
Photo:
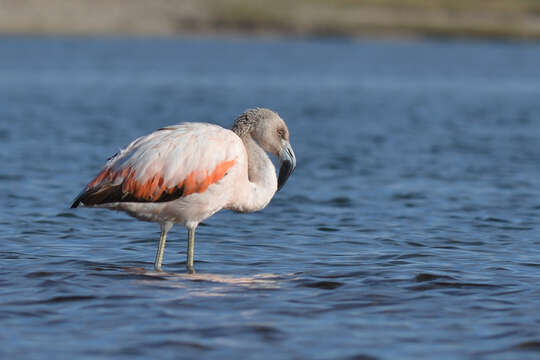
185,173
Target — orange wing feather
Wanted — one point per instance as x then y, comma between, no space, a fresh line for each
103,188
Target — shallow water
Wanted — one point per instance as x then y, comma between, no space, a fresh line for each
408,230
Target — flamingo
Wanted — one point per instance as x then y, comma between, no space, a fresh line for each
185,173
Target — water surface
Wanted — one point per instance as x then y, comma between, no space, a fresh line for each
408,230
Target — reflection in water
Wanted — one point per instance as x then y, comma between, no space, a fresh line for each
217,284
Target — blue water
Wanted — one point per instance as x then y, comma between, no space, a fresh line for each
410,228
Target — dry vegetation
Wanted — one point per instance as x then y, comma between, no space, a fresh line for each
480,18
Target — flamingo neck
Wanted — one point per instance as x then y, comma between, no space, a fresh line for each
262,181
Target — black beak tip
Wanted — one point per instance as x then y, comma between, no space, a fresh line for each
285,171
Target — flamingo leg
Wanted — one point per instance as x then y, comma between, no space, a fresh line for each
190,250
165,227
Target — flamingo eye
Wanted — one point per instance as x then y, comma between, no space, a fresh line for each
281,133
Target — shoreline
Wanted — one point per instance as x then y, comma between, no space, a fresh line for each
271,36
516,20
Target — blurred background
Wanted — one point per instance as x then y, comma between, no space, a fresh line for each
409,229
477,18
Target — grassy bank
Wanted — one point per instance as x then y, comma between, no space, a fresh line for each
517,19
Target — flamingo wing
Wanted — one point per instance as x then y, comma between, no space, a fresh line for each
171,163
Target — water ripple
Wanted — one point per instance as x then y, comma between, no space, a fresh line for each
407,229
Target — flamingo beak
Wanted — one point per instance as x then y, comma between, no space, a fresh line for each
287,163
